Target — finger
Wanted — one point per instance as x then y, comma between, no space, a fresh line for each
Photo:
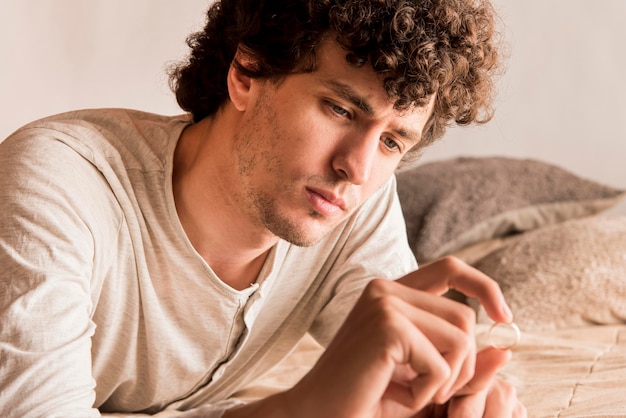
455,345
457,314
502,402
520,410
499,400
432,411
486,395
447,324
488,362
431,371
361,359
451,273
468,406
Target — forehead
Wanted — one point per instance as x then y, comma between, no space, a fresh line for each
361,85
333,65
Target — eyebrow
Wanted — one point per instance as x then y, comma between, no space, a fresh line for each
347,93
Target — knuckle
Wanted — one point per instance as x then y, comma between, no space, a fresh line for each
381,303
463,316
387,317
453,264
505,391
508,390
520,411
376,288
466,343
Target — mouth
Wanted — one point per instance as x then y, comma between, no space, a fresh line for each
325,203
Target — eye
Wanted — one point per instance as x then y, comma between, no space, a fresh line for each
391,144
338,110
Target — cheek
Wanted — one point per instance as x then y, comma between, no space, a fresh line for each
381,173
306,145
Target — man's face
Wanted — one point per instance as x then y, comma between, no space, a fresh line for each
312,148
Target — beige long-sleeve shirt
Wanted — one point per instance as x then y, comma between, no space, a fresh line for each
106,306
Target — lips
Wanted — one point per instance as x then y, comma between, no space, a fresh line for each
325,203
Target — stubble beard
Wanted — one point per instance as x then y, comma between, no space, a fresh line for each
281,226
264,204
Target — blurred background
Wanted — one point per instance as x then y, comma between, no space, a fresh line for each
562,99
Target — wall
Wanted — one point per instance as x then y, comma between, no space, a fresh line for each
562,99
58,55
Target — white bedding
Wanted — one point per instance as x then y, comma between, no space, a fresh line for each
578,372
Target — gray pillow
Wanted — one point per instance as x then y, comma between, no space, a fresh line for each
562,276
451,204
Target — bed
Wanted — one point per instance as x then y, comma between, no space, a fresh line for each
547,236
544,234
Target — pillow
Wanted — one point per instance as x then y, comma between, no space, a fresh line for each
564,275
451,204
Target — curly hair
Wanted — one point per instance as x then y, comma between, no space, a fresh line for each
420,48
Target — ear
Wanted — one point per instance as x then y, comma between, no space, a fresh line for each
239,85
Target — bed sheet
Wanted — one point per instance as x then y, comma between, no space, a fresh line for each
578,372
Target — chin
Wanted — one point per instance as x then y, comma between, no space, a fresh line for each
300,228
306,235
303,239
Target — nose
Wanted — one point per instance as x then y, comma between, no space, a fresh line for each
355,156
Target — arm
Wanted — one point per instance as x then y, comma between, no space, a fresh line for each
59,241
45,301
404,349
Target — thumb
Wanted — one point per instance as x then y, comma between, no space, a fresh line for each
488,362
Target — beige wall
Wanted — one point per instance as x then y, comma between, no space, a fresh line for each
563,99
57,55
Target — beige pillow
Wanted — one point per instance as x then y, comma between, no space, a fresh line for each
451,204
564,275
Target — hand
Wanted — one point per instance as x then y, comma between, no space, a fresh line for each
485,396
403,347
498,400
451,273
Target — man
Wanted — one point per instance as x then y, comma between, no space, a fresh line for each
153,263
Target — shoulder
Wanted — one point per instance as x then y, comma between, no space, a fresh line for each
132,138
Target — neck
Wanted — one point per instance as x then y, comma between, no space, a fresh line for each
204,187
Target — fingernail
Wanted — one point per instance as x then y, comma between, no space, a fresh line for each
508,314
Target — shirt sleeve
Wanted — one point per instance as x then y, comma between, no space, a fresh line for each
46,252
54,205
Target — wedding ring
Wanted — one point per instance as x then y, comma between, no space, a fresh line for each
504,336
